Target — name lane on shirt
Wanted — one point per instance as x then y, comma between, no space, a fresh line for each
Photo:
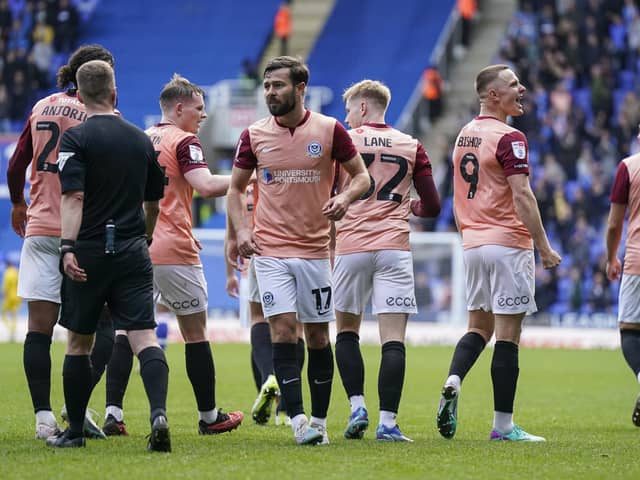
377,142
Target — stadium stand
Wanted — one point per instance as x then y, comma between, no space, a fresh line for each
367,39
206,41
579,61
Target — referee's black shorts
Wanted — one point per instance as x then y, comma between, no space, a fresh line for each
123,281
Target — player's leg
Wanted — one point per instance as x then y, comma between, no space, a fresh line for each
39,284
393,301
103,346
470,346
315,311
77,385
391,374
280,303
352,282
118,374
629,323
37,363
131,301
630,342
351,369
183,290
82,303
201,372
514,279
154,371
281,409
261,353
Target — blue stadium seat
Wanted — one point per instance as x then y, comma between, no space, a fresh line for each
406,36
204,40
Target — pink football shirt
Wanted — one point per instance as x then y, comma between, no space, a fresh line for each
626,190
39,142
295,174
178,153
486,152
380,220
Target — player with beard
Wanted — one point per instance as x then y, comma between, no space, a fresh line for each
293,152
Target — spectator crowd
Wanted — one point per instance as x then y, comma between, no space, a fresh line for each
579,60
36,37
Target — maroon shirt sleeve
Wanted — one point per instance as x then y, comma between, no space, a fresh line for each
18,164
429,203
245,158
423,165
189,154
621,184
343,147
513,153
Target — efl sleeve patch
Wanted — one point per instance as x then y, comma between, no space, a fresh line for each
195,153
519,150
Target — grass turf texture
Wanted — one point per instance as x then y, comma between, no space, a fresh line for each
581,401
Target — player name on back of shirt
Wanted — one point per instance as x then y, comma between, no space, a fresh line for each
473,142
377,142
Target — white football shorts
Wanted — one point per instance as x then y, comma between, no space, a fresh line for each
385,276
500,279
39,277
296,285
180,288
629,299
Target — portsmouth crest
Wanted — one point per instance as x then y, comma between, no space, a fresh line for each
267,299
314,150
519,150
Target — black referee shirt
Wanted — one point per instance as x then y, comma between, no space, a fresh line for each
113,162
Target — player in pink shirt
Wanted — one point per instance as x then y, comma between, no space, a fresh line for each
373,257
498,218
625,196
39,223
178,278
293,152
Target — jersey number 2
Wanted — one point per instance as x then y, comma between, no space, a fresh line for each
41,163
386,193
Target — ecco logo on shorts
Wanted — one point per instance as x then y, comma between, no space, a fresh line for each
194,302
401,301
267,299
513,301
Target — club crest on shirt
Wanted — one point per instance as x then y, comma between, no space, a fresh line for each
314,150
519,149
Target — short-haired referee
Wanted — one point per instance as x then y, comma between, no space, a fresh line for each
108,171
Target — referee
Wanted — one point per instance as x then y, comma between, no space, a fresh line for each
108,169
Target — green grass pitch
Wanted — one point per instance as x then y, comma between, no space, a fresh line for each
581,401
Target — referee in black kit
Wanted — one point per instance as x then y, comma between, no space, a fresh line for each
108,169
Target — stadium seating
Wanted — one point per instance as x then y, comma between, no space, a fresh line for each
204,40
371,39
